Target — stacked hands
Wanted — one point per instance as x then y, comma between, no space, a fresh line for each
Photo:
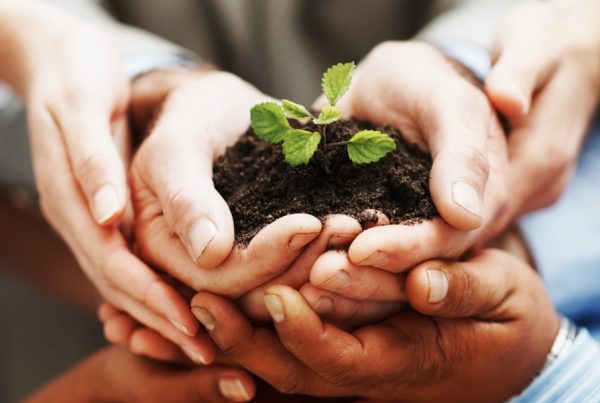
337,293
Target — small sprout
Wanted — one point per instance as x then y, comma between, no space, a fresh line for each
299,146
271,125
294,110
369,146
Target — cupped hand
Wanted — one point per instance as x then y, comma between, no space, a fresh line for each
546,80
76,98
436,105
480,331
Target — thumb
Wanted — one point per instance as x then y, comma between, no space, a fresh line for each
478,287
96,164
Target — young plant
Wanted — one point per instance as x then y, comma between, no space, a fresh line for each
270,124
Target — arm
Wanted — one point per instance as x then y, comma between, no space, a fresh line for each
113,374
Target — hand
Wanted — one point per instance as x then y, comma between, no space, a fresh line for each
113,374
414,87
77,97
480,331
123,330
546,80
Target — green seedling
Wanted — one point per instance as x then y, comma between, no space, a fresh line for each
270,124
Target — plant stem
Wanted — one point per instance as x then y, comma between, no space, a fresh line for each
339,143
323,134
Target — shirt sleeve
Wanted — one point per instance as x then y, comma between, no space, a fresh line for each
574,377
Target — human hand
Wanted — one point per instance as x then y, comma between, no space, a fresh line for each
414,87
77,97
546,80
114,374
480,331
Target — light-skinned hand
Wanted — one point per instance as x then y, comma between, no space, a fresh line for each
546,80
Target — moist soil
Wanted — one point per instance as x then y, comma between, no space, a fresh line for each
260,186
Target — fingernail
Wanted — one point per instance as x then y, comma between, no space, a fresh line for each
299,241
205,318
324,305
438,286
106,203
201,235
466,197
337,282
195,356
233,389
181,328
513,90
275,307
376,259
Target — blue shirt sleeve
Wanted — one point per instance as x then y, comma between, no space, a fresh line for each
573,377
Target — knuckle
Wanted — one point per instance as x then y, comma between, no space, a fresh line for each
341,371
476,161
177,208
88,165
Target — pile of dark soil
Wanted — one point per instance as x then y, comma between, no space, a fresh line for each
260,186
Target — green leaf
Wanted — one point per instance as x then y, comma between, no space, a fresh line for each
294,110
336,81
369,146
299,146
269,122
329,114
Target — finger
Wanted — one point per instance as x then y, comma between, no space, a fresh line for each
179,174
269,253
333,271
341,358
106,311
457,126
198,348
211,384
95,162
544,145
102,252
397,248
338,231
525,59
370,218
478,287
135,279
256,349
119,328
346,312
148,342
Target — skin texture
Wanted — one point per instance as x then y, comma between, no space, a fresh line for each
495,309
546,80
114,374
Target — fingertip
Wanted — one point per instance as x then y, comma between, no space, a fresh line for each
108,206
212,239
507,95
326,266
427,286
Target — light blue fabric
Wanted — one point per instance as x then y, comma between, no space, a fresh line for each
565,241
573,377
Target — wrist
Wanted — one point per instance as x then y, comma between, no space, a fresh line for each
24,50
